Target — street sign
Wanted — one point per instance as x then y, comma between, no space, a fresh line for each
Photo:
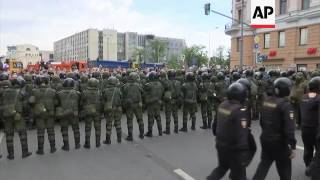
256,46
256,39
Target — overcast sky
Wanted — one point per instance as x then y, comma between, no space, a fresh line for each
41,22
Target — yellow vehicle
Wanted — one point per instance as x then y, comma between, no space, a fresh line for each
15,66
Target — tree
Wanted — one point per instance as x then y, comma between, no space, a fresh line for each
221,59
173,63
158,50
195,55
139,54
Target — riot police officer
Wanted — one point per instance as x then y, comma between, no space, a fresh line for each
12,101
189,91
232,135
278,136
112,100
310,119
43,99
132,101
68,112
91,104
153,92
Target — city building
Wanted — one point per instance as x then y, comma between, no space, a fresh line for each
294,43
25,53
93,44
46,55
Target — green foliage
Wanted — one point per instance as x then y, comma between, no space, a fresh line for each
195,55
174,63
220,59
139,54
158,50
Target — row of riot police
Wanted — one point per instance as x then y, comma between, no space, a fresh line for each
281,99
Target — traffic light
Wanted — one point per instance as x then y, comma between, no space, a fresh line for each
207,9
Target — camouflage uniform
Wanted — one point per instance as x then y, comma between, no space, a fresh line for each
112,99
153,92
220,94
189,91
68,112
27,113
43,100
91,103
172,99
206,91
132,102
12,108
56,83
261,85
299,88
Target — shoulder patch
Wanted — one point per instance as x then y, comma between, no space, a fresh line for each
269,104
225,111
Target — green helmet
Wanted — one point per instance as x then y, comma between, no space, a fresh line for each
4,76
113,80
55,79
315,73
71,75
105,75
133,76
93,83
84,78
68,83
27,77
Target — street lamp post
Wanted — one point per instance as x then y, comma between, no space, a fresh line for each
241,44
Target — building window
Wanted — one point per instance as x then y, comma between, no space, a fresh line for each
302,67
267,41
238,44
303,36
283,6
305,4
282,39
318,66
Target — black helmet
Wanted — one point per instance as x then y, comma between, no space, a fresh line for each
205,76
190,76
245,83
237,91
235,76
284,74
314,85
39,80
249,73
262,69
62,76
282,87
220,76
4,76
171,74
69,82
21,81
96,75
152,75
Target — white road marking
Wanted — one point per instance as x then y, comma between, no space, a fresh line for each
300,147
183,174
1,137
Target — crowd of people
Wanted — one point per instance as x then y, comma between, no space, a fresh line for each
229,102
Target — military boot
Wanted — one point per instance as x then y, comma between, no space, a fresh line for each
176,129
129,137
24,144
184,128
98,144
141,129
119,137
209,124
77,142
149,134
160,129
65,146
204,125
193,125
53,148
108,140
10,153
86,144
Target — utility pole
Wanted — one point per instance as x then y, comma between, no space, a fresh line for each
241,44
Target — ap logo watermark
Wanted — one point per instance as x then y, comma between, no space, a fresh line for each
263,14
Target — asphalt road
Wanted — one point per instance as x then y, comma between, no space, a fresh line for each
186,156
